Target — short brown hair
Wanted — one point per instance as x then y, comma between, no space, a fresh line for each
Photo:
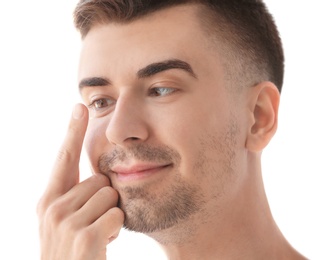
246,26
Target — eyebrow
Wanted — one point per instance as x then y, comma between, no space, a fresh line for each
93,82
158,67
148,71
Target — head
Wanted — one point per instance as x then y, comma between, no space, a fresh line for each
182,95
246,29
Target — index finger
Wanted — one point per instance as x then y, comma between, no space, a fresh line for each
65,172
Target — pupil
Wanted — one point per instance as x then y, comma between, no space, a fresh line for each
100,103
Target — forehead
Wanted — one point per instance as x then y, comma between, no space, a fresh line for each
172,33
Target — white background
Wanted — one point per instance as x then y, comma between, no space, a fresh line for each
39,51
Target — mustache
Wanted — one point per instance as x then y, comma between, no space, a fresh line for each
139,152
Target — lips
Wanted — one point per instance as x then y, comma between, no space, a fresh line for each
137,171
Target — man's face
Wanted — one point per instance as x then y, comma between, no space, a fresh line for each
162,125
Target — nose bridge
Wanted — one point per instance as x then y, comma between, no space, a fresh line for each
127,121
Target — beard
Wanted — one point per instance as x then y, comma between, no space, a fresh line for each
147,211
151,207
160,205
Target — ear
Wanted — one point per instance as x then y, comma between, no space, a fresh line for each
263,105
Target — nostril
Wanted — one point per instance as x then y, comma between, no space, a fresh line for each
134,138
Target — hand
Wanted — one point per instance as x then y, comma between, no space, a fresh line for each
77,220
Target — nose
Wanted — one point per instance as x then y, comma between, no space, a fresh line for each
127,123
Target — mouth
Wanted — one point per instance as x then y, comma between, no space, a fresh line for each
138,171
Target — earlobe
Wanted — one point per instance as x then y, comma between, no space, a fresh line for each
264,103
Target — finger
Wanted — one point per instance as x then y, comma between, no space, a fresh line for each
102,201
109,225
106,228
82,192
66,169
95,238
73,200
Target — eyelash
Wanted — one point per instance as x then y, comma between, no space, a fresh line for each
105,103
153,91
108,102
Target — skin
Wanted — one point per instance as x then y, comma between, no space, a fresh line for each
184,127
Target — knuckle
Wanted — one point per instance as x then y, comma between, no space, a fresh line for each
41,206
55,212
116,214
85,238
69,225
65,155
109,193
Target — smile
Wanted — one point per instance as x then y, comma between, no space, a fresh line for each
137,171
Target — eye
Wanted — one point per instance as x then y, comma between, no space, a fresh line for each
101,103
161,91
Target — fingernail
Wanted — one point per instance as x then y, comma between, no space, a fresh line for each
78,111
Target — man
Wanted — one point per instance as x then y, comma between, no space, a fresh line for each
181,97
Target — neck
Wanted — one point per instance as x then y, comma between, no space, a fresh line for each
243,228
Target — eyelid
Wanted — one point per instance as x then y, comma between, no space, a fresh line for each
111,101
170,90
103,110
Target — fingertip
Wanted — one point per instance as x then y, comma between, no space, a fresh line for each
118,215
79,111
99,177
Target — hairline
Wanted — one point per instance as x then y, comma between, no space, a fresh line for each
235,64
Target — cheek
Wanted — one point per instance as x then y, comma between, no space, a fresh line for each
197,134
95,140
182,133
